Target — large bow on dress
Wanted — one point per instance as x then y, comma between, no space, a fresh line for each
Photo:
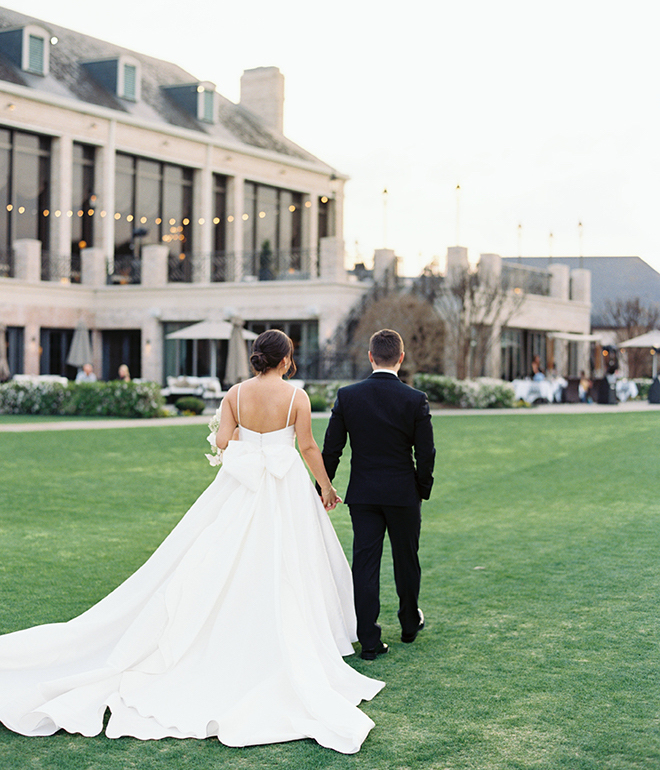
248,462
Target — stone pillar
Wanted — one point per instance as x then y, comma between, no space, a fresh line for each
310,232
32,352
559,281
457,264
203,225
331,260
235,232
581,285
27,260
384,264
490,269
94,270
154,265
62,164
106,180
152,350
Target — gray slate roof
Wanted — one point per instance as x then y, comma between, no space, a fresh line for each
69,79
612,279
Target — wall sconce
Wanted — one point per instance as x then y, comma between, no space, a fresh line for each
147,348
10,107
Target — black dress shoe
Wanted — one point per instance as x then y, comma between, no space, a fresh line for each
408,638
371,654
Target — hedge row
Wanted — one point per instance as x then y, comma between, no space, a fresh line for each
88,399
482,393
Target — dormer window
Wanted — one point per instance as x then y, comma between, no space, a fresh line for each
197,99
27,47
120,75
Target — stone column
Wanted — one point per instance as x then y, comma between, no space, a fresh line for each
237,190
27,260
62,163
559,281
94,270
32,352
331,260
384,264
203,224
581,285
310,232
106,173
154,265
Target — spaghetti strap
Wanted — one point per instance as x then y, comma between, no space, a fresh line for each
291,405
238,406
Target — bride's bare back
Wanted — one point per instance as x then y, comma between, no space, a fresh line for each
264,403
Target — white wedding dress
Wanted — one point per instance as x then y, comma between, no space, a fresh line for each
234,628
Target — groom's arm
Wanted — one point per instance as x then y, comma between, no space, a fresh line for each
335,439
424,449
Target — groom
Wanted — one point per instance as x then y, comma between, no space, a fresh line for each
386,422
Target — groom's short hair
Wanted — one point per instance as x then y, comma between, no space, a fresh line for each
386,347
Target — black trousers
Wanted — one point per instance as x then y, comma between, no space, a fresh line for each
403,524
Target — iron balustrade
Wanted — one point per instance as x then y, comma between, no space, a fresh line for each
59,267
529,280
7,264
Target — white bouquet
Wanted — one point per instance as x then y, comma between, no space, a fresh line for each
215,458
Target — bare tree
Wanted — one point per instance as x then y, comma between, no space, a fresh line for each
475,305
630,318
416,321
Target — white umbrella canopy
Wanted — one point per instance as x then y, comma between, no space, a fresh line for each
209,330
238,367
5,374
649,340
80,352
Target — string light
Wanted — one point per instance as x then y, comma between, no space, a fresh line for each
230,218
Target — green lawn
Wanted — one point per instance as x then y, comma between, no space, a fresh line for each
541,585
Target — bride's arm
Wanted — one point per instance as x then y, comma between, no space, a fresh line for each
228,421
310,451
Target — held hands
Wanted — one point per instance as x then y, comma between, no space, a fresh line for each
330,498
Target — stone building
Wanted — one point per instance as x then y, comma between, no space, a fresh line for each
136,198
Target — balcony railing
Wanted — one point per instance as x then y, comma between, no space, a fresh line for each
529,279
224,266
61,268
6,264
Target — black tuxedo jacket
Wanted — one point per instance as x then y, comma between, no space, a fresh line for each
392,452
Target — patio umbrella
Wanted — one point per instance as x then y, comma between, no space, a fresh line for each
237,368
5,374
649,340
80,352
209,330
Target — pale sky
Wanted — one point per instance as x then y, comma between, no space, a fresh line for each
545,114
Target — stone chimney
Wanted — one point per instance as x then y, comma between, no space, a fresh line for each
262,92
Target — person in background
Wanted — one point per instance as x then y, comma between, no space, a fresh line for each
537,372
124,374
86,374
584,387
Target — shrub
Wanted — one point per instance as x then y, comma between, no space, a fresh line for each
86,399
643,387
190,404
318,403
481,393
326,391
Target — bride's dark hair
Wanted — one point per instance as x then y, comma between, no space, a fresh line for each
269,349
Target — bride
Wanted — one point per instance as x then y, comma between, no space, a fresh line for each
236,626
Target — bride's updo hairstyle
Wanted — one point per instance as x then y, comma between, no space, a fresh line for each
269,349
